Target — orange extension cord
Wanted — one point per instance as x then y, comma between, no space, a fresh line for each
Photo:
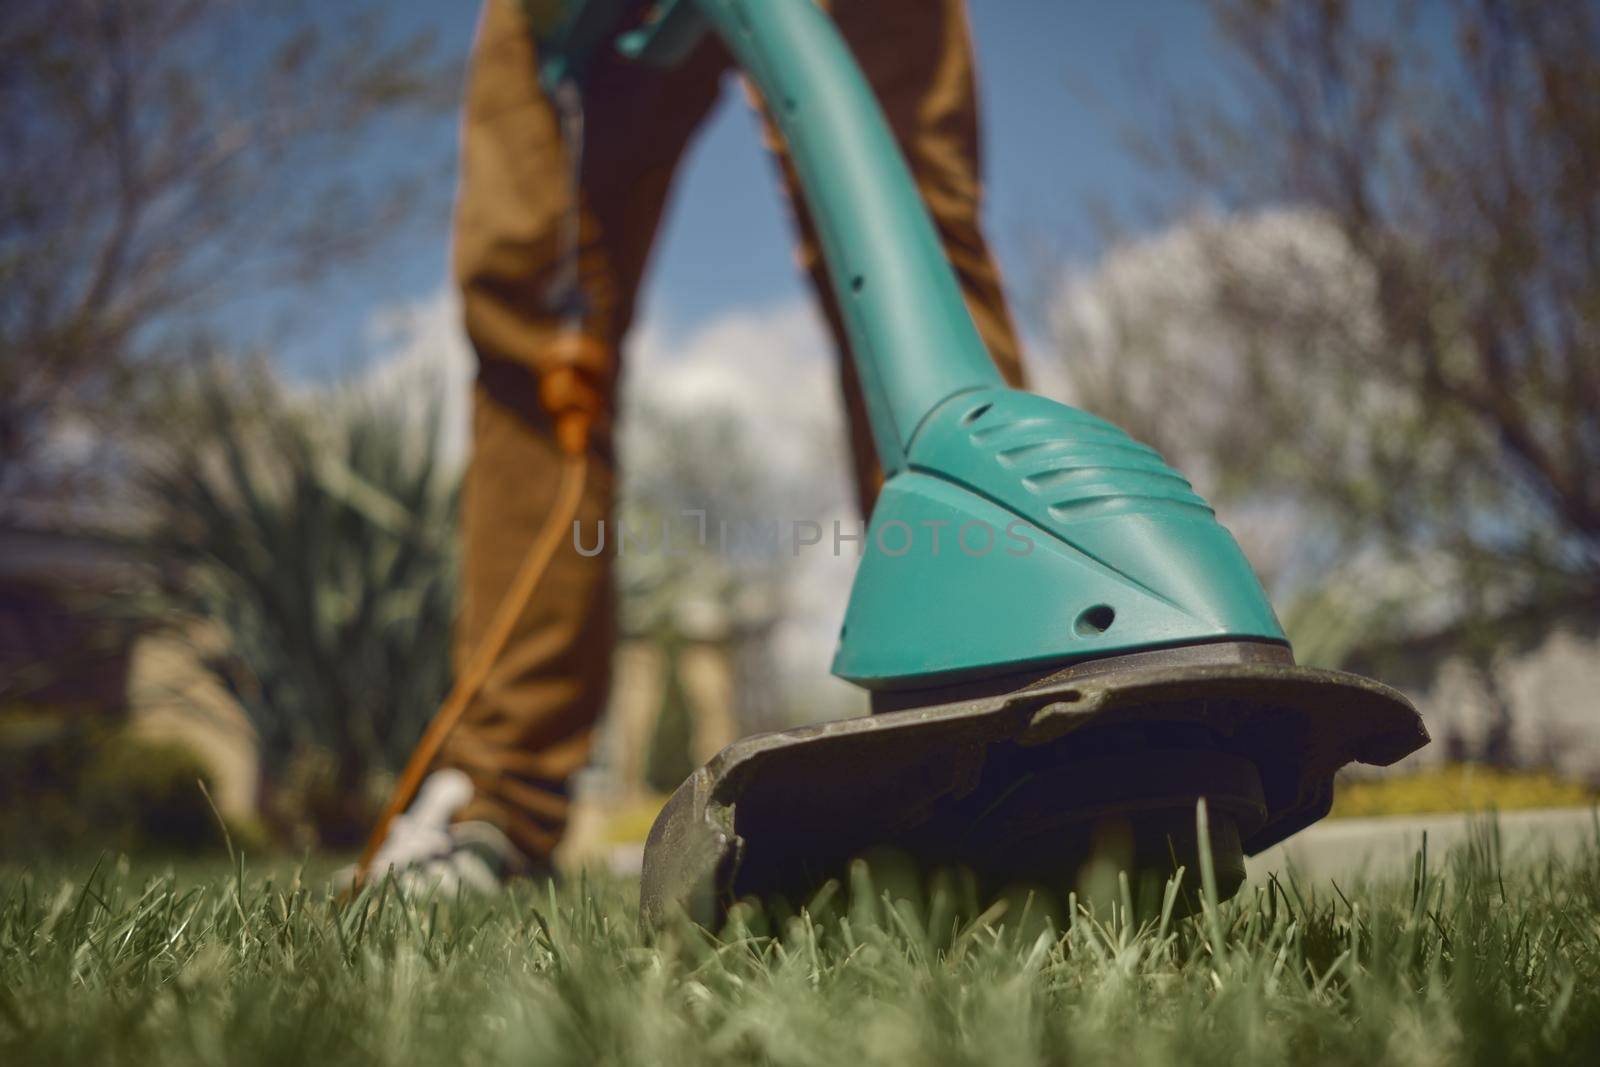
575,405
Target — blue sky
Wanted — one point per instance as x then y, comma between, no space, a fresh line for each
1060,82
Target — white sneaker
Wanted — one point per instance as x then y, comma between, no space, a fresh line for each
427,853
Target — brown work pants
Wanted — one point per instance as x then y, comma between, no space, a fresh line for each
530,728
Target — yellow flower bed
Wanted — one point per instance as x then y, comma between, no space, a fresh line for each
1458,787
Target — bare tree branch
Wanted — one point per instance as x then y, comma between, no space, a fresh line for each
165,157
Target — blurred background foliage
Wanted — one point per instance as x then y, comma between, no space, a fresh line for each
1391,374
167,163
319,533
70,783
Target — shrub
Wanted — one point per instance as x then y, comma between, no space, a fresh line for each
70,782
322,538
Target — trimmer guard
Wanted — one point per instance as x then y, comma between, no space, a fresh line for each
1016,784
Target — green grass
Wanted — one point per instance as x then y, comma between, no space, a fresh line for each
1464,962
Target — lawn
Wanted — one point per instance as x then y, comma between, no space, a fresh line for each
1464,962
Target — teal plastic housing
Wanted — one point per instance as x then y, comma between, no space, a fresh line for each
1060,539
1122,555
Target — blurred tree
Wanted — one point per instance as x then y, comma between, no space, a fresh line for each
163,158
1413,330
690,476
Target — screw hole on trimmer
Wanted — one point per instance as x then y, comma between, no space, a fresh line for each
975,414
1095,621
857,283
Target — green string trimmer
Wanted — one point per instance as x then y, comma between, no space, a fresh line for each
1089,656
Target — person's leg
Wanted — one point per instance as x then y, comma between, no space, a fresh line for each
917,56
531,726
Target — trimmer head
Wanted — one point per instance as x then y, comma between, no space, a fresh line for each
1023,784
1088,655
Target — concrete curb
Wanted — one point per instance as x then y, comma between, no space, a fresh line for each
1349,849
